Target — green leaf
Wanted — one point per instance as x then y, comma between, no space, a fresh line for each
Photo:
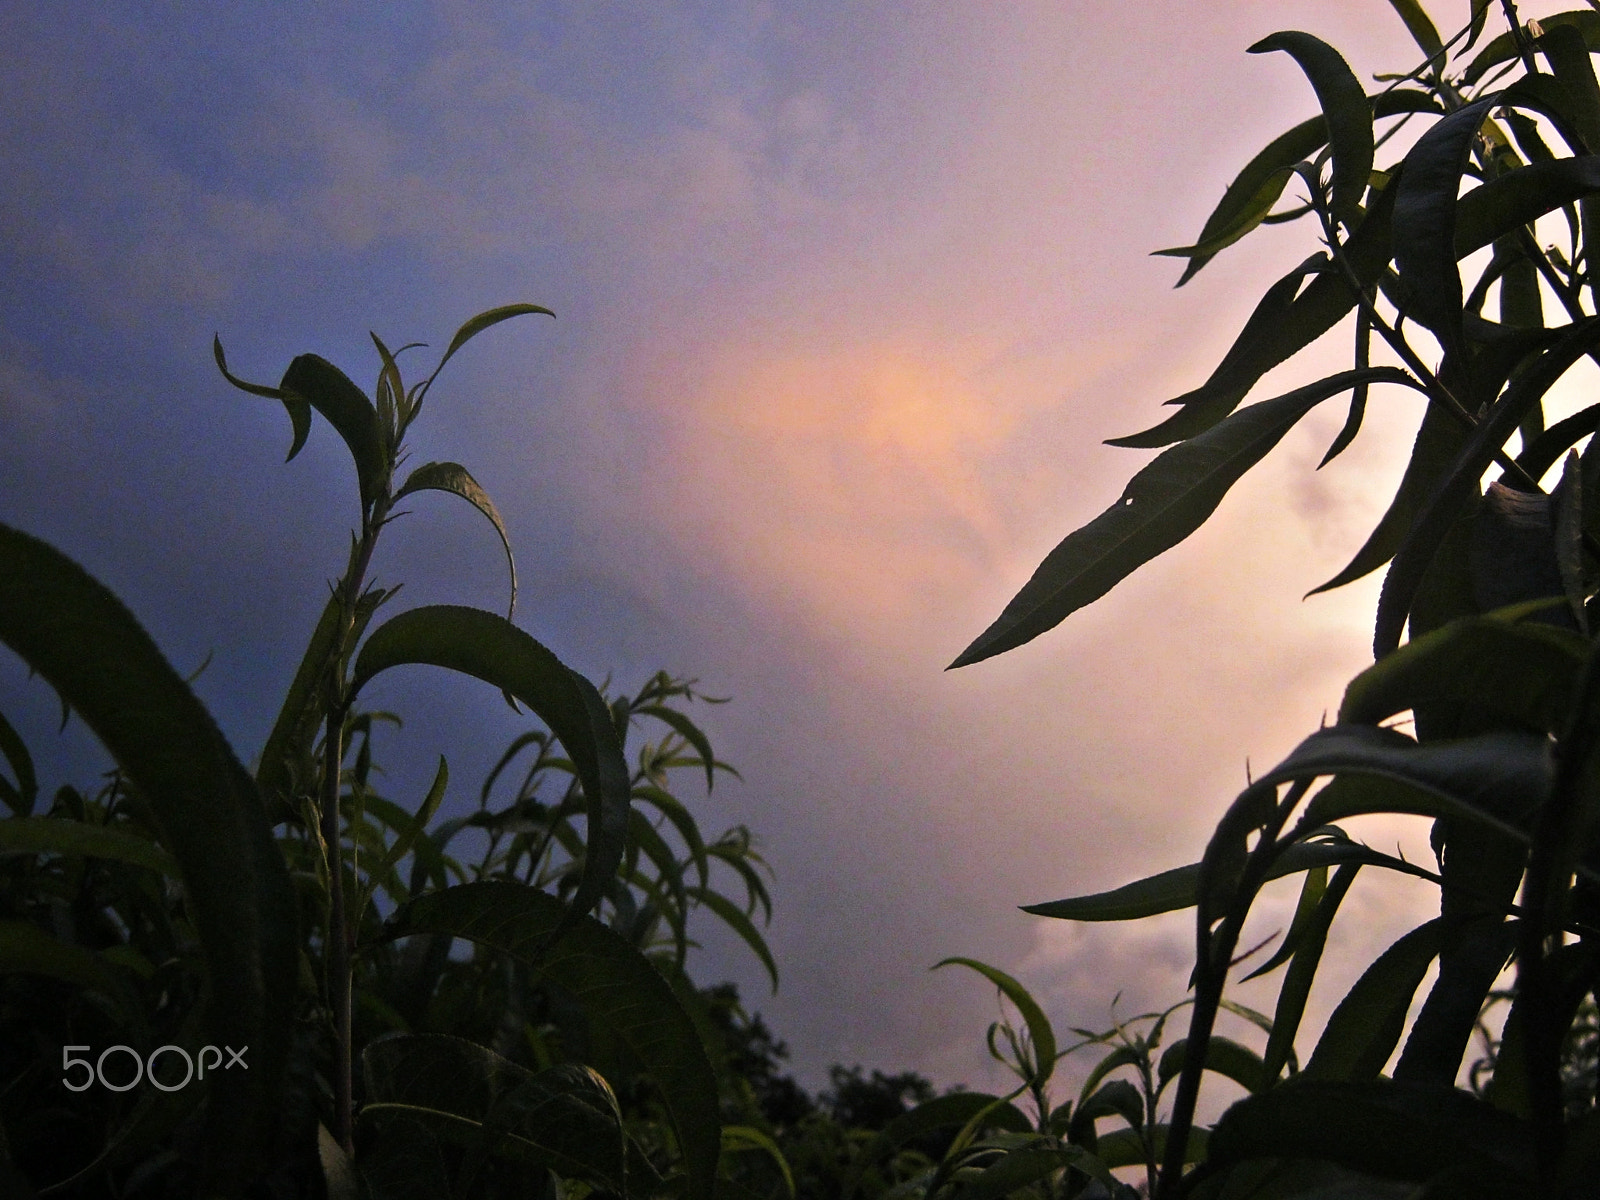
1018,1169
1424,222
470,330
747,1137
330,391
1345,108
1297,981
735,918
616,986
1040,1032
689,731
416,826
1518,198
1250,197
1384,1128
21,796
1365,1028
50,835
80,638
454,478
299,411
490,648
1420,26
952,1111
1223,1055
1178,888
1503,49
1312,889
25,949
564,1118
1435,520
1487,779
301,712
1163,504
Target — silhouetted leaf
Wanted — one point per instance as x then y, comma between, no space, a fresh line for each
81,639
1504,48
1297,981
330,391
1346,110
734,917
617,987
19,797
1163,504
1365,1028
1040,1031
454,478
49,835
1223,1055
1420,25
490,648
299,411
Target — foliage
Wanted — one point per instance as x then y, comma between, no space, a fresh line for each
1500,675
416,1020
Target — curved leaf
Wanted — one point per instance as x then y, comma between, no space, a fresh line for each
1384,1128
1040,1031
299,411
1251,195
1519,674
1179,888
19,797
454,478
735,918
490,648
689,731
1503,49
1296,987
564,1117
1344,107
1424,222
1365,1028
1163,504
952,1111
301,712
81,639
330,391
1520,198
1420,26
616,986
1226,1057
50,835
1285,323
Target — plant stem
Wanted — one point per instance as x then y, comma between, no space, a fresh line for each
338,965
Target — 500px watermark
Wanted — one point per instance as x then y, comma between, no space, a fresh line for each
145,1068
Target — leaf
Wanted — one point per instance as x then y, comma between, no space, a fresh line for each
1434,521
1017,1170
734,917
1297,981
300,714
1485,778
490,648
1163,504
25,949
1518,198
1040,1032
1504,48
615,985
689,731
1365,1028
1223,1055
1515,673
417,826
20,797
1178,888
330,391
1424,222
1346,110
470,330
1249,198
1384,1128
747,1137
299,411
564,1117
1420,26
1311,892
951,1111
51,835
80,638
453,478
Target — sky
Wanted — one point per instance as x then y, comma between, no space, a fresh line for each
848,297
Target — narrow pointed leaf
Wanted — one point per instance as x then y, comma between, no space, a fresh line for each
50,835
1344,107
454,478
689,731
1420,26
1223,1055
1365,1027
330,391
1296,987
616,986
1178,888
952,1111
21,796
1521,197
1040,1031
736,919
299,411
1312,889
81,639
483,321
1424,221
490,648
1163,504
1503,49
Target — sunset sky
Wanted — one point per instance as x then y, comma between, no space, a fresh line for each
848,296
